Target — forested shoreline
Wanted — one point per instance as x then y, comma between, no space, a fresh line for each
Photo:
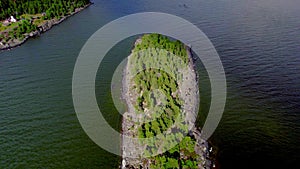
22,19
52,8
161,94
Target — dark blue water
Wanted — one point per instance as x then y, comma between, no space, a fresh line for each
258,43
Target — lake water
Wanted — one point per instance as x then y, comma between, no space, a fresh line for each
258,42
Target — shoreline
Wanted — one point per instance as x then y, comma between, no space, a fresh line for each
202,147
41,29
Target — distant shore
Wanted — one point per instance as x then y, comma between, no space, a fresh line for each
47,25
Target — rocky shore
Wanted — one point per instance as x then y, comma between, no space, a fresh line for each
188,92
41,29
